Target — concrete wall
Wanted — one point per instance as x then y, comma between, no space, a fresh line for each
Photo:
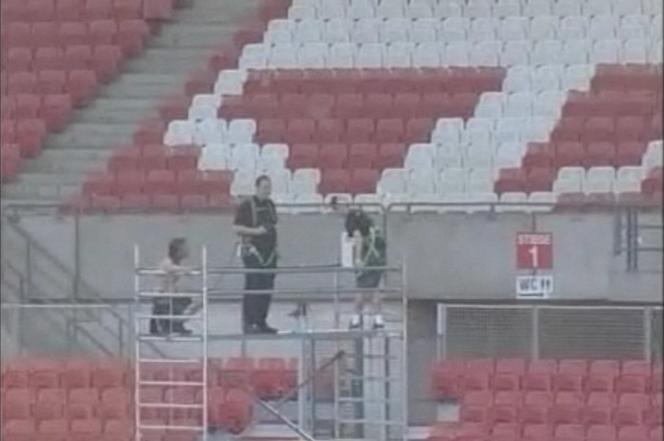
452,256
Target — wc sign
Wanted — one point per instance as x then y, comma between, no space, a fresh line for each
534,251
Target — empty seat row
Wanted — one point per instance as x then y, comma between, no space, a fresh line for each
574,154
80,85
455,53
73,10
463,29
473,8
541,432
351,80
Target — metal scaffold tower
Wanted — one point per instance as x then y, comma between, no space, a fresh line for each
170,397
366,368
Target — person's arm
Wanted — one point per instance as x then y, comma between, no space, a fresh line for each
357,250
172,268
242,230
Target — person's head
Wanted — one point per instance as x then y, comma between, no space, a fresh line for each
358,220
263,187
178,249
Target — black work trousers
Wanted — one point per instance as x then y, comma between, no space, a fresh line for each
255,307
168,306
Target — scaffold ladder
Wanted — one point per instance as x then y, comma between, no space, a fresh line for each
175,397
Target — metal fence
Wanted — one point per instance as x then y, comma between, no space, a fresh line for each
550,331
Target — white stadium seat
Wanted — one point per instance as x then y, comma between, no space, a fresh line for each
421,182
653,156
273,156
280,31
214,157
546,77
544,28
342,55
539,129
477,8
312,55
507,8
634,51
655,52
241,131
244,157
332,9
366,31
424,30
567,7
536,8
243,183
419,9
599,180
517,79
508,155
454,29
518,104
573,27
478,130
283,56
180,132
399,54
305,181
448,131
204,107
510,129
485,53
395,30
281,180
452,181
457,53
479,156
393,181
625,7
210,131
634,26
542,197
370,203
490,105
602,26
447,156
370,55
420,157
309,31
596,7
577,76
298,12
656,28
254,56
483,29
230,82
569,180
546,52
605,51
516,53
390,9
576,51
628,179
513,28
448,9
549,103
361,9
427,55
337,31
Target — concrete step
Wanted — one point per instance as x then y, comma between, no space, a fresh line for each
117,111
172,60
145,85
193,35
89,135
69,161
43,186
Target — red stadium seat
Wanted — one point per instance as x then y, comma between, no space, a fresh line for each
56,112
78,56
19,430
81,86
68,10
49,58
43,34
127,9
158,10
18,59
51,82
601,433
30,135
97,9
299,130
22,83
270,131
362,156
446,378
73,34
390,155
389,130
131,36
335,181
105,61
102,31
570,432
329,130
333,156
633,433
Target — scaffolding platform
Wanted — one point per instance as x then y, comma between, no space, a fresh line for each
351,384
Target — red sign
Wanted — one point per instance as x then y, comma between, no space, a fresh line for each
534,251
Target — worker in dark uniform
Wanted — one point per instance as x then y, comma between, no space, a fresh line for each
255,223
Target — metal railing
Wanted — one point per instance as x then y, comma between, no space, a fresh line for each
549,331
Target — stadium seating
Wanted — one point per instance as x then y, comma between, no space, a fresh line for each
55,55
429,101
582,400
76,399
